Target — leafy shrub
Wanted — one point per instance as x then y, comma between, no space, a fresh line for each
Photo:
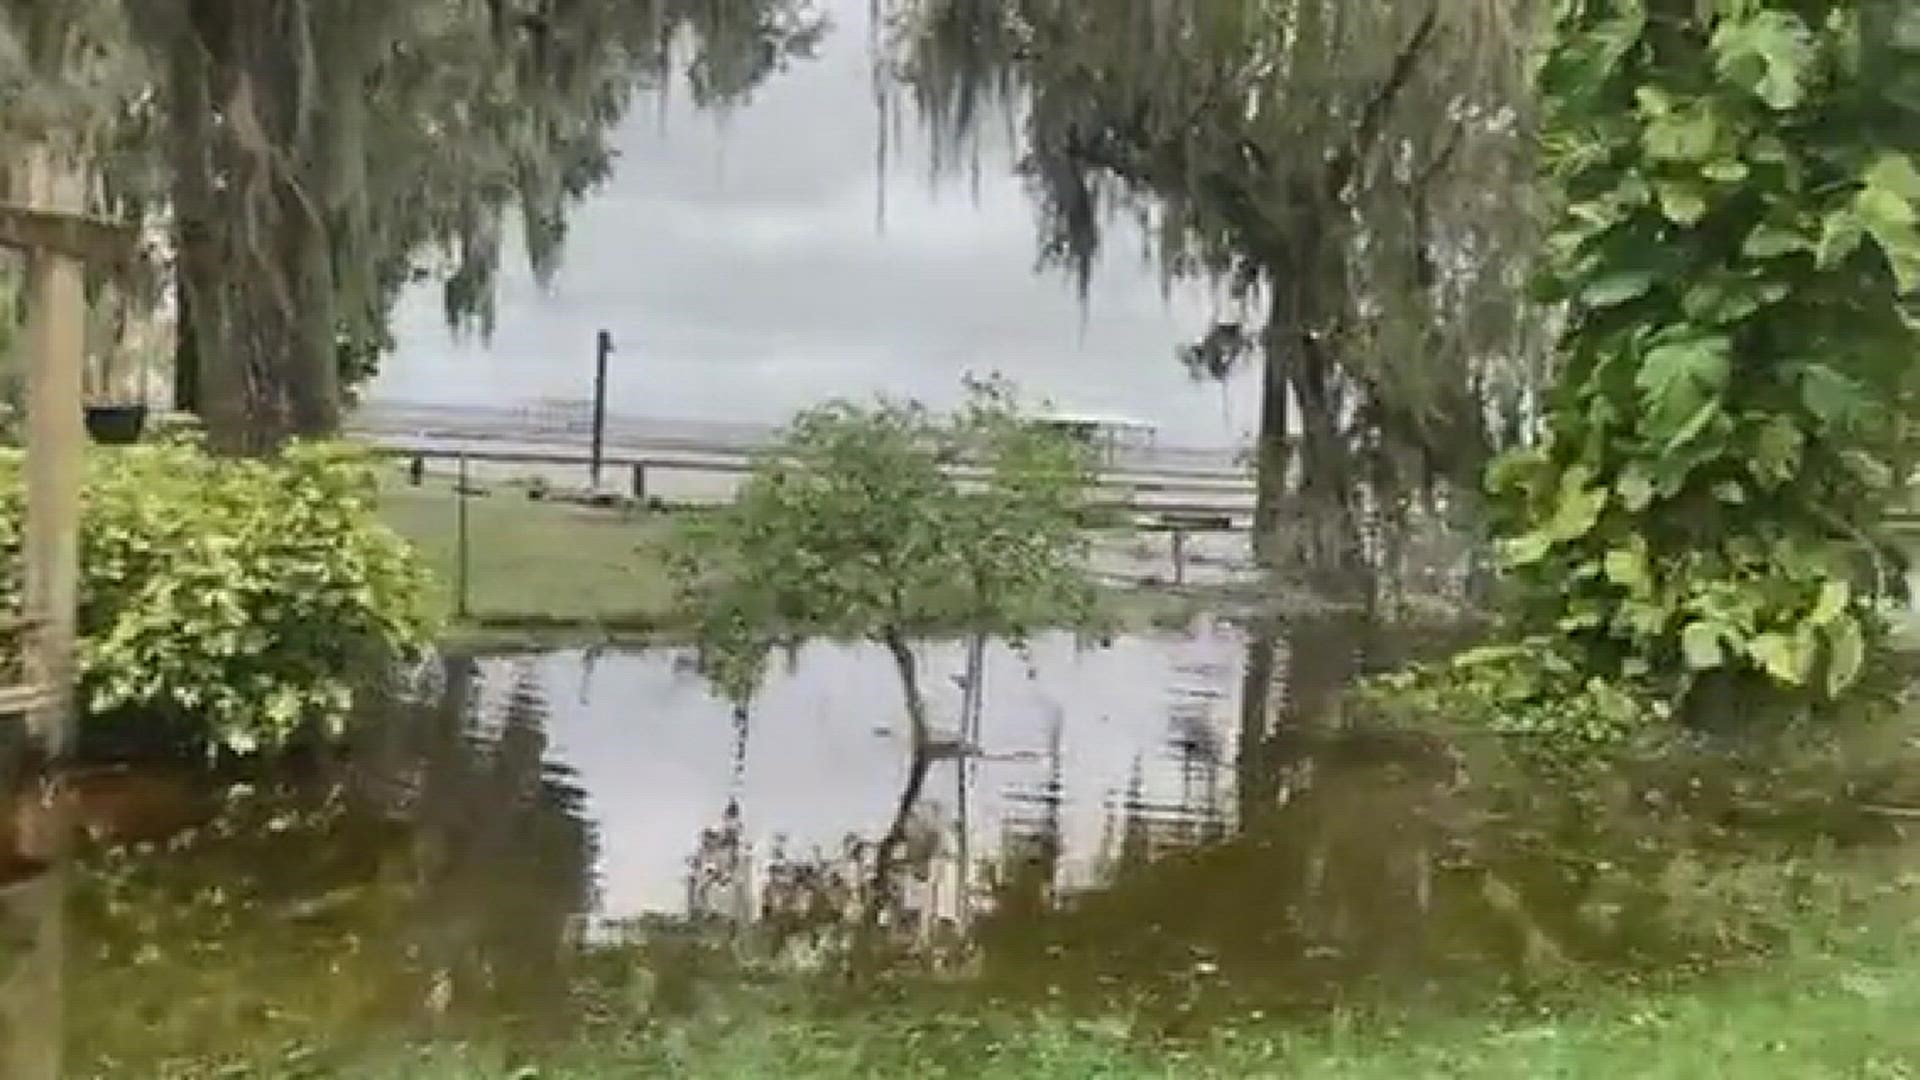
249,597
1527,690
1737,252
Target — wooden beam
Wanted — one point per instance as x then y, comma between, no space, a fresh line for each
58,241
56,440
90,240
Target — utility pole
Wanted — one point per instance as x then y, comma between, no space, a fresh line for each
603,349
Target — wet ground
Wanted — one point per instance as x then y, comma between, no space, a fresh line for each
1159,824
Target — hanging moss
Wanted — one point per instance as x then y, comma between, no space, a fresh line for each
317,157
1354,177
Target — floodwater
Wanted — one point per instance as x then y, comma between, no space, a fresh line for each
1134,834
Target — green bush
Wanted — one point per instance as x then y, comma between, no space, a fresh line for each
248,597
1530,691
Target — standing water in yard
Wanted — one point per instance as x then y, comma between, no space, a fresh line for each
1138,838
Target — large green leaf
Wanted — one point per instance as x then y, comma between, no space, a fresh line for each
1841,233
1678,379
1768,52
1636,488
1686,135
1896,174
1525,550
1579,506
1847,652
1617,288
1786,658
1700,644
1776,451
1832,602
1835,398
1769,241
1684,202
1627,567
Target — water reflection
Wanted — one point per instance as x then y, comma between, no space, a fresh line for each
425,882
503,848
656,752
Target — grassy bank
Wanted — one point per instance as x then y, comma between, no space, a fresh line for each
537,569
545,572
1844,1011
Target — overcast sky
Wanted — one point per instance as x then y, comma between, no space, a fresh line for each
742,271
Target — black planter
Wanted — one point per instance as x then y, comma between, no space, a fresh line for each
116,425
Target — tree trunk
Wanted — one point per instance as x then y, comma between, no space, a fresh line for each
204,311
1257,784
1273,453
255,257
1334,551
313,377
1300,363
886,856
312,374
186,350
227,259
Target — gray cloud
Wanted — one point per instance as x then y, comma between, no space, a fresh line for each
740,265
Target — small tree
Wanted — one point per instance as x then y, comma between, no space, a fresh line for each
892,524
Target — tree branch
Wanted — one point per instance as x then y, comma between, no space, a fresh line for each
1373,116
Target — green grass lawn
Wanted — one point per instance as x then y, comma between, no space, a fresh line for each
545,572
1845,1013
535,563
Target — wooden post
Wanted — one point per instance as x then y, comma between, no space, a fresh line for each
59,242
1179,556
640,485
462,563
603,347
56,437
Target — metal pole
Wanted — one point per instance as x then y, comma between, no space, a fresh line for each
461,568
603,349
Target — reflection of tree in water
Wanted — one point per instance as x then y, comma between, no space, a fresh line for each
1195,743
435,871
1257,782
1330,872
1330,887
720,871
810,903
1029,870
1136,841
505,851
719,875
1369,859
1324,652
